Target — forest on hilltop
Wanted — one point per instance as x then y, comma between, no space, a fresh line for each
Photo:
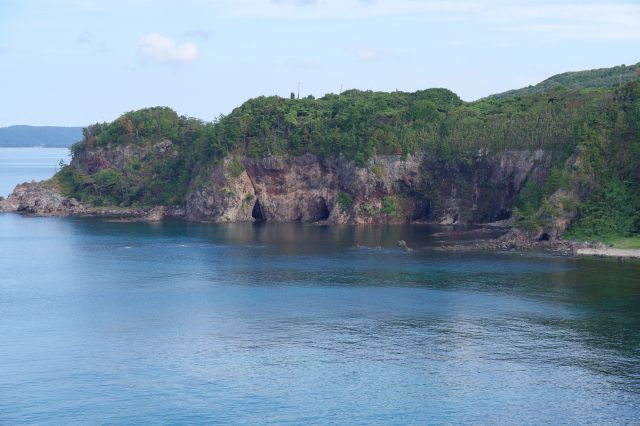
589,125
596,78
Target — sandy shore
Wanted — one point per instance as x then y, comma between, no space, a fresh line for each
609,252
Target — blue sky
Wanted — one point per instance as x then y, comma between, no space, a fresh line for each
74,62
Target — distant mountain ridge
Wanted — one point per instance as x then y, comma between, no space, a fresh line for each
45,136
589,79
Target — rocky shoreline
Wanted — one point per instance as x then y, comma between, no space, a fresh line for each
43,199
517,242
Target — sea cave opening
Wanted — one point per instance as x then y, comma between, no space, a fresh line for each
256,213
323,211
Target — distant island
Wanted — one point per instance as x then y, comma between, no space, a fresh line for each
42,136
549,163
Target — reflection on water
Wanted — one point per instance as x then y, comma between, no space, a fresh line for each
190,323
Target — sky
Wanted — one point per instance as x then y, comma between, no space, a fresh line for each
76,62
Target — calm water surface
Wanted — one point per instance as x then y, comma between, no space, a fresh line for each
177,323
19,165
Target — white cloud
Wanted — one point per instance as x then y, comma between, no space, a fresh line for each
156,48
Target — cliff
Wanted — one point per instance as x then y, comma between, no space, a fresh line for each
389,189
550,162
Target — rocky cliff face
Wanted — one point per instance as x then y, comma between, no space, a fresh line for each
40,199
270,189
120,157
390,189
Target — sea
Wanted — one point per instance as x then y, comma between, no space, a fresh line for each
105,322
18,165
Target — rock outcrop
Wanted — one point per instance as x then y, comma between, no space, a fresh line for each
40,199
389,189
119,157
43,199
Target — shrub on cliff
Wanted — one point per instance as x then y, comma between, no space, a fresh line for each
344,200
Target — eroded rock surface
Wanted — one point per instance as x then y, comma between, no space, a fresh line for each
389,189
43,199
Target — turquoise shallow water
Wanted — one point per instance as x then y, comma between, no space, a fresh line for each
177,323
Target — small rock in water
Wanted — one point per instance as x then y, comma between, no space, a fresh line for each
403,245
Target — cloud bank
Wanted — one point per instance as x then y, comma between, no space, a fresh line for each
158,49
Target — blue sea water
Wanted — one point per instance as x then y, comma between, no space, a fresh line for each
183,323
18,165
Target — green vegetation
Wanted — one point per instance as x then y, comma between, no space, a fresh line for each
167,152
598,175
359,124
235,168
623,242
533,197
612,210
588,124
598,78
344,200
389,206
608,170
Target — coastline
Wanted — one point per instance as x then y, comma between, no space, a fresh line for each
609,252
565,248
42,199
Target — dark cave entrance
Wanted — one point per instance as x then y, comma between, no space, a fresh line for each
421,210
256,213
323,211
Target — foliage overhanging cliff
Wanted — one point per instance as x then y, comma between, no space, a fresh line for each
590,136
